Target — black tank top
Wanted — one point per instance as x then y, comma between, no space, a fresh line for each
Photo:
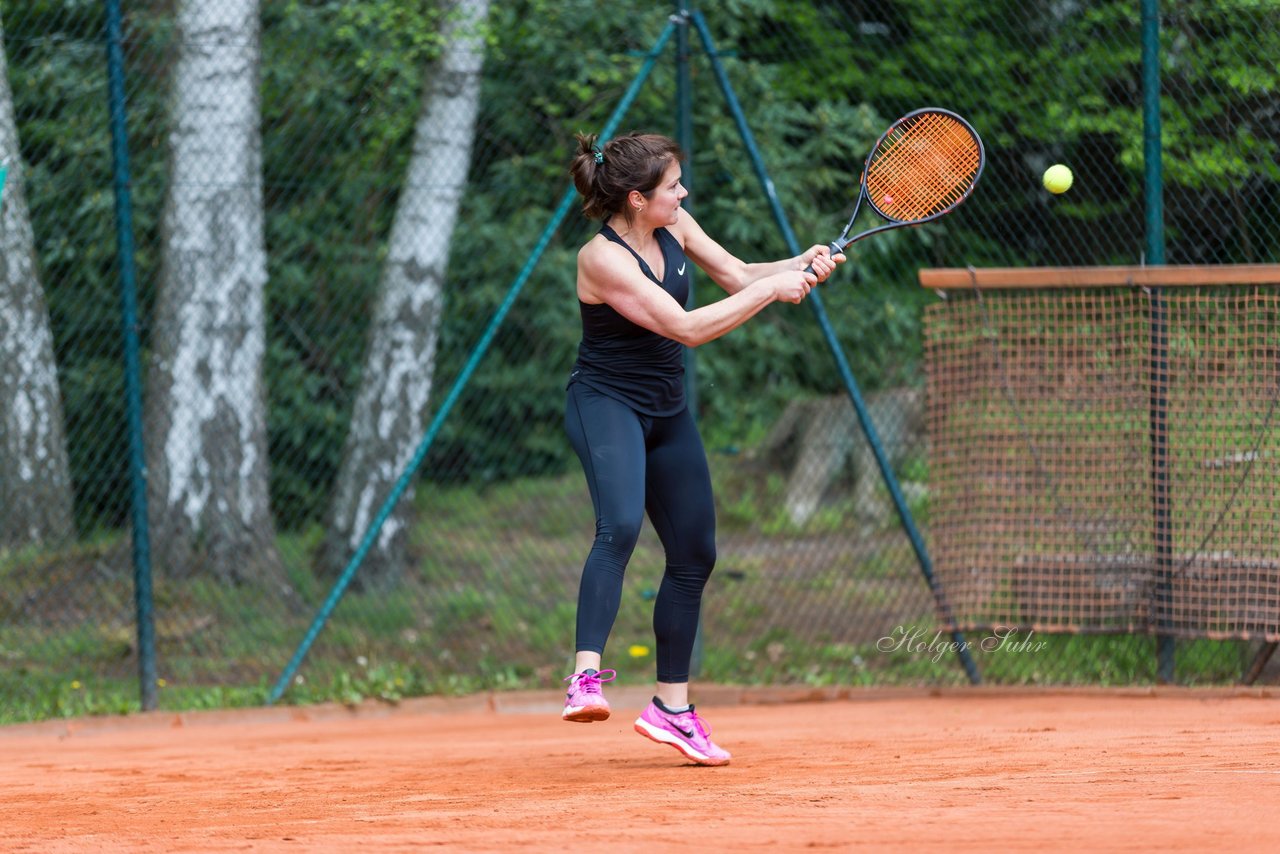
625,361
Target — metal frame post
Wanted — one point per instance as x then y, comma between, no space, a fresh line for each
1162,525
132,360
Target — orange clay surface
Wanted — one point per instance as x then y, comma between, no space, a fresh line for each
955,770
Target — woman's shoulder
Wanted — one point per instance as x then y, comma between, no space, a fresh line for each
599,251
596,245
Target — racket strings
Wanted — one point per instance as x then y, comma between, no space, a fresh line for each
924,170
923,167
934,140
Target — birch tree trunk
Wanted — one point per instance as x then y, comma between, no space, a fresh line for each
35,479
387,424
206,420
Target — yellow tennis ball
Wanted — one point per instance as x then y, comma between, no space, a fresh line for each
638,650
1057,178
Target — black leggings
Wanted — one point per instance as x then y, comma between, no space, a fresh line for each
635,464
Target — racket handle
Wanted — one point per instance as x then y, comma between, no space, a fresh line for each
834,248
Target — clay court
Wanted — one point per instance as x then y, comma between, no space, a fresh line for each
955,770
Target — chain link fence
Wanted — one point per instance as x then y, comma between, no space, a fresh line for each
354,259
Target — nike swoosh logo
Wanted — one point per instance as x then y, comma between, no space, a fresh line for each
680,272
687,733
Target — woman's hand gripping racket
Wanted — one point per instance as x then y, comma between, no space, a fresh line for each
925,165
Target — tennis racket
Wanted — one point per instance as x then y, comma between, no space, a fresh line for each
923,167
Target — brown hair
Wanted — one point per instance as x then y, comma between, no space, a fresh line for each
604,175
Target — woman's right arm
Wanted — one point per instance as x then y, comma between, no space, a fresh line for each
608,274
733,274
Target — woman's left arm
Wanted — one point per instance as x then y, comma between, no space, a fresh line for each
732,274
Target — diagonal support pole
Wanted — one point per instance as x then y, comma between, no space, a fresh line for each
446,406
846,374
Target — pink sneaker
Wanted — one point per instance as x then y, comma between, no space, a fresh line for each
585,702
686,732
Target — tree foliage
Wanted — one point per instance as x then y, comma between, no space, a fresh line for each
1043,81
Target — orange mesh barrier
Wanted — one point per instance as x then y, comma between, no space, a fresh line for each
1107,458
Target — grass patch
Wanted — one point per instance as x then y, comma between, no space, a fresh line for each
491,605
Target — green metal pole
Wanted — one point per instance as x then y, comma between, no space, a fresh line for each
132,360
455,392
684,136
1151,135
1154,184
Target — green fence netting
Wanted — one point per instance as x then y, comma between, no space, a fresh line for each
330,201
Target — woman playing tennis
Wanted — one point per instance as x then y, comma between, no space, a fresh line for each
626,415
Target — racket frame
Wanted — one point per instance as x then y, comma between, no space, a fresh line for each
844,240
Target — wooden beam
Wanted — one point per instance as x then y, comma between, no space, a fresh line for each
1171,275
